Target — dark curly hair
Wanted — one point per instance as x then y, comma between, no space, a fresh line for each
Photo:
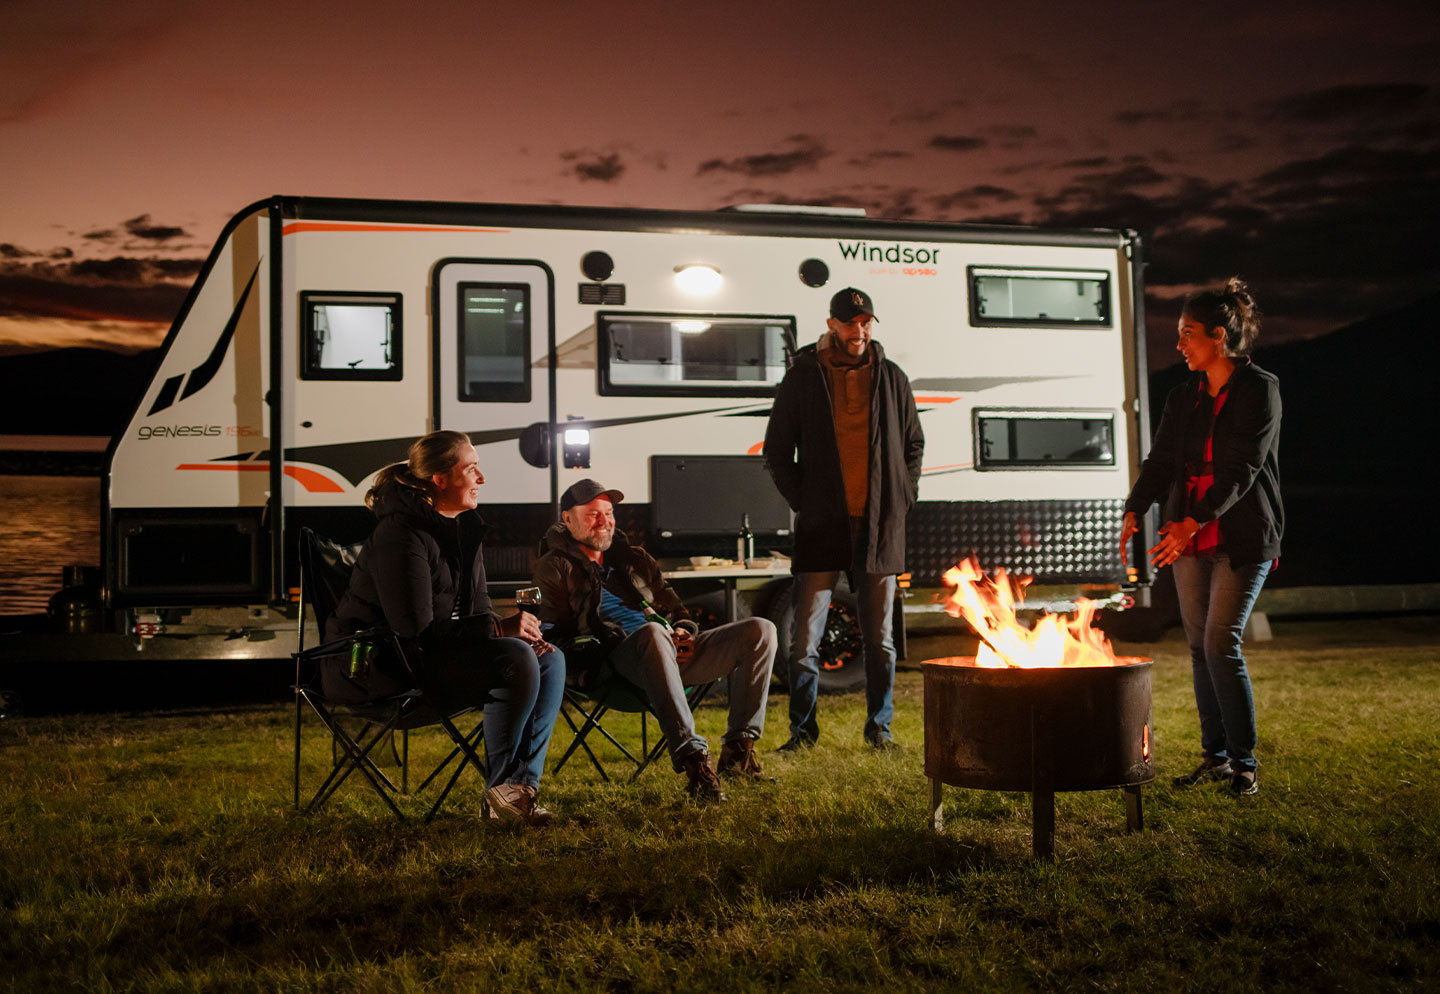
1232,308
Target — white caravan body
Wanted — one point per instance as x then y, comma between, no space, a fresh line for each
323,336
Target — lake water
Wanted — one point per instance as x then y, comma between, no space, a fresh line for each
46,524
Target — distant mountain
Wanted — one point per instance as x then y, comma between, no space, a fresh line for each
71,391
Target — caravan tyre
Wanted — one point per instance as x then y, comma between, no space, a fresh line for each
841,666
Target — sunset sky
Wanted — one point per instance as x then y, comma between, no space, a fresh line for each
1297,144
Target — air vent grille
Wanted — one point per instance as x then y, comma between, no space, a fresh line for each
602,293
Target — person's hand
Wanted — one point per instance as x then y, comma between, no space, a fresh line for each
684,644
522,625
1174,537
1127,530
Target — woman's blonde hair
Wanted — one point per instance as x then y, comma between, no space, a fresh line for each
1230,307
434,455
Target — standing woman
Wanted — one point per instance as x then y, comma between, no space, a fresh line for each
1216,463
421,575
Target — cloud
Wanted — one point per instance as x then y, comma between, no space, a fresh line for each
1344,102
8,251
926,115
1180,111
600,168
807,153
971,197
141,227
121,288
27,334
958,143
881,155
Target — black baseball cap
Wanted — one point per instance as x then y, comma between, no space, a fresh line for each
850,303
584,491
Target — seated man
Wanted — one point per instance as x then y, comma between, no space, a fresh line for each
594,584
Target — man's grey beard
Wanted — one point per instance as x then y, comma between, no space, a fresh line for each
593,542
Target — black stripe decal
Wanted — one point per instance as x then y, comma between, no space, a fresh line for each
166,397
202,374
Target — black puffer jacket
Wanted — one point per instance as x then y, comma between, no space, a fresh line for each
804,460
1246,457
570,584
415,566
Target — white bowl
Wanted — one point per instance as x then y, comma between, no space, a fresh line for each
701,560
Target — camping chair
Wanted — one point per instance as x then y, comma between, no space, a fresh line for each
615,693
369,677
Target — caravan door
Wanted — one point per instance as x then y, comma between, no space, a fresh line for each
493,333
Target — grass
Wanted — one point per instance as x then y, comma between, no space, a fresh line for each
159,852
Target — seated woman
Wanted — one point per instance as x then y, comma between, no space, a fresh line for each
421,575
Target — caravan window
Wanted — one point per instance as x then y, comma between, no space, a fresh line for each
1006,296
495,342
350,336
1041,439
693,355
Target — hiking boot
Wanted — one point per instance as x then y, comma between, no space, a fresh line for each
515,803
881,743
1209,770
1243,782
797,744
738,759
704,785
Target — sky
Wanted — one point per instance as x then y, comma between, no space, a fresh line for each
1294,144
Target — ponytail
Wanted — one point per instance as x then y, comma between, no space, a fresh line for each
434,455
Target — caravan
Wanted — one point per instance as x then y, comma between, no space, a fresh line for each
640,347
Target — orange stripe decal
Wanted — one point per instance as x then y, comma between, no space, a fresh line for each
296,227
936,400
315,483
755,449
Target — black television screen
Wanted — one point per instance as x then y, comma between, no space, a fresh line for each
707,495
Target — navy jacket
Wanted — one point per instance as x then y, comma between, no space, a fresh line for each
415,566
1246,458
804,461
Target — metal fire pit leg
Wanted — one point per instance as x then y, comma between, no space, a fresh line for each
1134,812
937,813
1042,789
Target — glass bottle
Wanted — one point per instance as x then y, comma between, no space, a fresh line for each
744,542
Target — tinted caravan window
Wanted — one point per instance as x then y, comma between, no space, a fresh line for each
693,355
1001,296
494,342
350,336
1029,440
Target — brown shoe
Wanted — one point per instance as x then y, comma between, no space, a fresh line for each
738,759
515,802
704,785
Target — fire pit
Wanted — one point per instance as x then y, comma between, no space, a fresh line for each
1072,717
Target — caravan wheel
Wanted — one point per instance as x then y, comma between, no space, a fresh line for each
841,666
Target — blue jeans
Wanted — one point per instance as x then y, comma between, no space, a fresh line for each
875,597
1215,604
520,695
744,650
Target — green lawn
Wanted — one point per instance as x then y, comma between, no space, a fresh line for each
159,852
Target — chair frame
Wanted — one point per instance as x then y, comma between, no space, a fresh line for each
598,708
382,718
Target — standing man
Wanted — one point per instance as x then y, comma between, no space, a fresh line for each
844,447
596,587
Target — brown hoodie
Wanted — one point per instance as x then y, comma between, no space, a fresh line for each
849,380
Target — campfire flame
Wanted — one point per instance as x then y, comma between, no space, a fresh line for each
989,606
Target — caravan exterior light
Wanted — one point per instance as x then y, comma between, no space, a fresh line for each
697,278
692,327
576,450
